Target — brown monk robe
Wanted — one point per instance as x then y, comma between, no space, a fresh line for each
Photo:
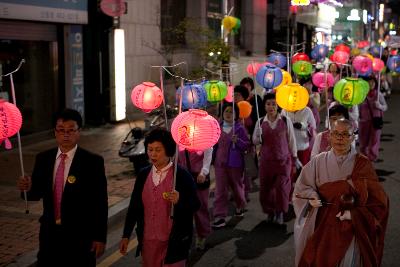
331,239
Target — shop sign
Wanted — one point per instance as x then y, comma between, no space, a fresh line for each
63,11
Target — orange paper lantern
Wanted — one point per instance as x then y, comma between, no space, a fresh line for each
244,109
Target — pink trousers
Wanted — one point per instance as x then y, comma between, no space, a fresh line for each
202,216
154,252
226,178
369,139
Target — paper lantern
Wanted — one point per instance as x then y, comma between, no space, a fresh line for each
302,68
300,56
277,59
147,96
368,55
269,77
195,130
292,97
377,65
252,68
319,52
231,24
193,96
10,122
318,80
350,91
286,79
362,44
363,65
393,63
229,95
355,52
340,57
375,50
216,90
342,47
244,109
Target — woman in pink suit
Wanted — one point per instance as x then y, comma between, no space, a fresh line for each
278,147
370,132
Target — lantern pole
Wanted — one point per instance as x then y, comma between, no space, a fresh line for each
326,65
379,73
21,160
255,95
162,90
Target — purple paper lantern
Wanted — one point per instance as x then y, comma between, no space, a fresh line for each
393,63
193,96
277,59
319,52
375,50
269,77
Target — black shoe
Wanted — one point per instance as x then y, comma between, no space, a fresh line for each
239,212
219,223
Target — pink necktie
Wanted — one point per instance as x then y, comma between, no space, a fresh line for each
58,187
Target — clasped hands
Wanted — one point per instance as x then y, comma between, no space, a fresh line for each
342,215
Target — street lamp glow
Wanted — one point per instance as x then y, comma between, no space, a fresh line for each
381,11
365,16
119,63
339,37
354,16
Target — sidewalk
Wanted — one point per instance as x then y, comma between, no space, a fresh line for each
19,231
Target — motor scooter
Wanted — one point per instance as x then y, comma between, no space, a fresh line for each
132,146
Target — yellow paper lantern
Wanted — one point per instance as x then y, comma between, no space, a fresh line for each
355,52
244,109
368,56
292,97
229,23
286,79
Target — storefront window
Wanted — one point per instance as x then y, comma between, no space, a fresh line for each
36,83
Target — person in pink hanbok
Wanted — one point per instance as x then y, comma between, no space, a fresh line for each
321,142
164,237
229,165
278,148
369,131
198,164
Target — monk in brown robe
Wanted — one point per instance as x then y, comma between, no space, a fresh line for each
341,209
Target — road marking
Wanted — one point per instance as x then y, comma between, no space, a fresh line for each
116,255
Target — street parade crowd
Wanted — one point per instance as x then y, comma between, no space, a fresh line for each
319,159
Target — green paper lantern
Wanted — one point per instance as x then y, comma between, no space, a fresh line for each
350,91
216,90
302,68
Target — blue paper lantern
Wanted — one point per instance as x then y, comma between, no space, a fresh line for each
393,63
277,59
194,96
319,52
375,50
269,77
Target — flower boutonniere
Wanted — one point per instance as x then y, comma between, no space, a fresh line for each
71,179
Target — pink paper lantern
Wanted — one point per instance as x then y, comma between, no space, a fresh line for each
377,64
229,95
195,130
10,122
147,96
252,68
342,47
318,80
363,65
340,57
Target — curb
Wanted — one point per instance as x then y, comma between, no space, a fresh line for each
116,213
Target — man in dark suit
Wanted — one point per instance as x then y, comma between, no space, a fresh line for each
72,183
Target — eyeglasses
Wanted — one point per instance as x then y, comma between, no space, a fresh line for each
344,135
66,131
